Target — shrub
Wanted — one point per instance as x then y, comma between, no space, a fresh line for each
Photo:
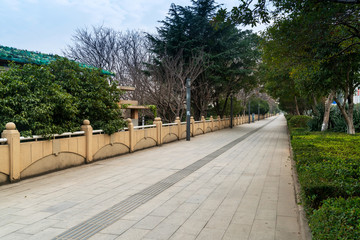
337,219
45,100
288,116
336,120
299,121
328,165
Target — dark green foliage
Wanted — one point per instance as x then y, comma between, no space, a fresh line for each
230,55
257,104
328,166
299,121
215,111
288,117
44,100
337,219
336,120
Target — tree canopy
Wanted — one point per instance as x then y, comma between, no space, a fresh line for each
44,100
230,55
315,45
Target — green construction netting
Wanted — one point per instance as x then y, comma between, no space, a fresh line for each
23,56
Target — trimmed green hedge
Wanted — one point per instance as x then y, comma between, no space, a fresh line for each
337,219
328,166
299,121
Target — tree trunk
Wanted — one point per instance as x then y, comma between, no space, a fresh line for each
315,110
297,106
224,107
347,116
328,102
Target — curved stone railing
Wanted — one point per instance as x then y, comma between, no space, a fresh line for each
22,157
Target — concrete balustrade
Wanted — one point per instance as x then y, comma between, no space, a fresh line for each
25,157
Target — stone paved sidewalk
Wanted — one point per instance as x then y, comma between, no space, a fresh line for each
235,184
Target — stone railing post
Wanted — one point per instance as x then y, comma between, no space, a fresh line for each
158,124
131,135
219,122
203,123
87,128
212,123
192,123
13,140
178,122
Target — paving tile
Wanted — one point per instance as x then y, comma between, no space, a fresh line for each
10,228
16,236
38,226
162,231
287,224
103,236
266,214
149,222
182,236
118,227
280,235
48,233
210,234
237,231
133,234
245,193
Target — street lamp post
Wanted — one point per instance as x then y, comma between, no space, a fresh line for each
231,111
188,98
249,112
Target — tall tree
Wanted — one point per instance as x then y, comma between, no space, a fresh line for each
319,41
194,29
123,53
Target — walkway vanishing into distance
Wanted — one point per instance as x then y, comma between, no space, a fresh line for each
230,184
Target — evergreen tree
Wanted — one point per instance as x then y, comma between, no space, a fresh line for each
230,54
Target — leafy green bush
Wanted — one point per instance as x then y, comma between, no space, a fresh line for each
337,219
336,120
288,117
328,166
299,121
45,100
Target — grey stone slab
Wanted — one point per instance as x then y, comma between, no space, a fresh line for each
38,226
262,235
103,236
16,236
48,233
281,235
237,231
210,234
118,227
182,236
133,234
162,231
149,222
287,224
10,228
266,214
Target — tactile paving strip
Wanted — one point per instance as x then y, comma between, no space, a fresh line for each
103,219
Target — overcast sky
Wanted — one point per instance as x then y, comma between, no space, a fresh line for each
48,25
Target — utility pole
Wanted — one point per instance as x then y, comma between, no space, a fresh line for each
188,98
258,111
